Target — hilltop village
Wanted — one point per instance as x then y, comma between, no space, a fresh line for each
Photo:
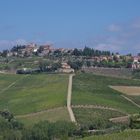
46,58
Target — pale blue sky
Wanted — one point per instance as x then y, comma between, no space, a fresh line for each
103,24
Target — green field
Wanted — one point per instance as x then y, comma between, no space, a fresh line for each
89,89
34,98
127,135
52,115
7,79
32,93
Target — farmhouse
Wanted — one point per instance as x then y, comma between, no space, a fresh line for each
65,68
136,62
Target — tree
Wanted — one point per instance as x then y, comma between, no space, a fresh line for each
18,48
77,52
87,51
63,129
4,53
135,122
7,115
43,65
40,50
57,53
4,125
12,135
38,132
10,129
56,66
76,64
88,63
16,124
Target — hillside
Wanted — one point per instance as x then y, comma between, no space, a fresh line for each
94,102
29,94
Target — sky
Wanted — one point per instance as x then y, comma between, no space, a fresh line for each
100,24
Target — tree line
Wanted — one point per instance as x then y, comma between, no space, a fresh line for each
90,52
12,129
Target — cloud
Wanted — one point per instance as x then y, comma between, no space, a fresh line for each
114,28
6,44
123,38
106,47
136,24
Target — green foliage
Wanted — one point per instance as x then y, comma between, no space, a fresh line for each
10,130
63,129
91,52
16,124
49,131
8,121
40,131
77,52
4,53
95,118
43,65
76,64
135,122
43,130
17,48
12,135
55,66
4,125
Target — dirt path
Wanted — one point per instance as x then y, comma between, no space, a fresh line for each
128,99
72,117
123,119
97,107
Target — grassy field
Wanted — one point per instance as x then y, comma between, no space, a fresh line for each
33,93
51,115
127,135
94,90
7,79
